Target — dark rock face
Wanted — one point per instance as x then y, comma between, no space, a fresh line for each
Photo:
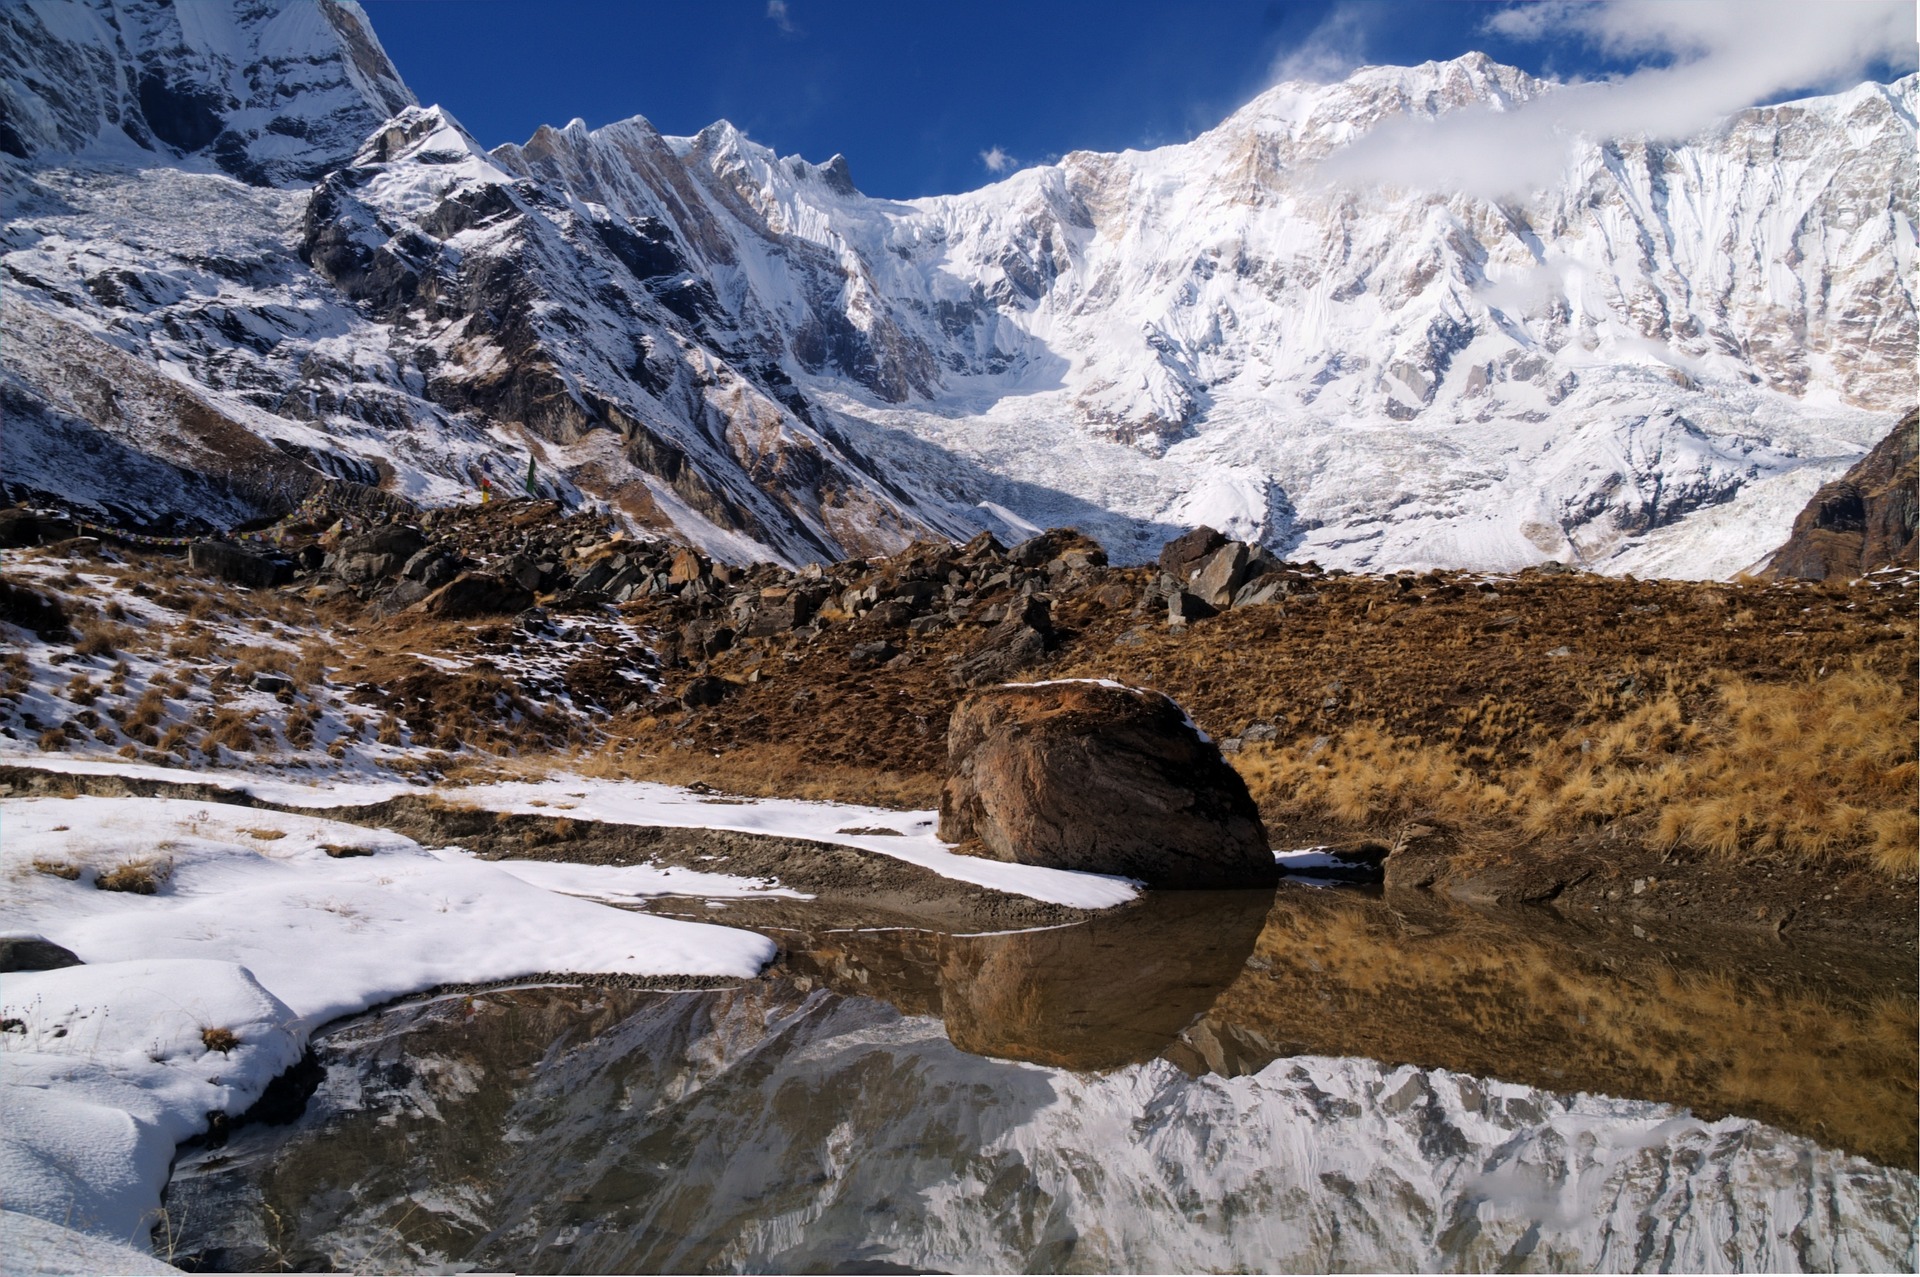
31,953
1863,521
231,563
222,82
475,594
1186,552
1099,778
378,554
25,527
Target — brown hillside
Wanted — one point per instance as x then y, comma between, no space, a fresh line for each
1862,521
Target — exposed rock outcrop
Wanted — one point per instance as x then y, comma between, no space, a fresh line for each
34,953
1864,520
1102,778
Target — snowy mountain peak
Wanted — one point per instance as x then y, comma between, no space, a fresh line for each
274,92
1645,365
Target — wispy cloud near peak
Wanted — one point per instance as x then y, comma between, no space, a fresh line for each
1702,60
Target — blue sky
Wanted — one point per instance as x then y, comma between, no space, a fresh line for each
925,97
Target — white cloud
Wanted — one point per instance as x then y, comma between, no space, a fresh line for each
780,15
1705,59
1332,49
996,160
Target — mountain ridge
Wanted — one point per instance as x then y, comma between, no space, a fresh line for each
742,347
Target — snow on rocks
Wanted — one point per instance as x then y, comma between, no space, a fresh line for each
254,929
108,1066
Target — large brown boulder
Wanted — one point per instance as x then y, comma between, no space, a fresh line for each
1101,778
1863,521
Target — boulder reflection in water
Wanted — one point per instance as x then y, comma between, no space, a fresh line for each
1110,992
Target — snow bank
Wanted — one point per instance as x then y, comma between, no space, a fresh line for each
636,802
253,928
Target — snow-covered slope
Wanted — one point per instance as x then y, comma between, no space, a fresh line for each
1645,367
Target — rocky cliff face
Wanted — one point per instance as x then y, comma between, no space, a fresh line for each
269,92
1862,521
1648,366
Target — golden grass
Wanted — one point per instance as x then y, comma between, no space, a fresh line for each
139,877
1821,768
756,771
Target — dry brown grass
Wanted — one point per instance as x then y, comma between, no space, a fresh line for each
771,770
98,637
177,739
251,659
1821,768
146,712
231,729
139,877
299,725
195,643
57,868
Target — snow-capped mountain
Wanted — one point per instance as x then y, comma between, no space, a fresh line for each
1648,366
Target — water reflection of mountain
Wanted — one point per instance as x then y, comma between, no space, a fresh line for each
826,1119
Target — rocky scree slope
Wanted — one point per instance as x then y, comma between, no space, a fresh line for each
1648,366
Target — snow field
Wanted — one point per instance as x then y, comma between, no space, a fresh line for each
252,928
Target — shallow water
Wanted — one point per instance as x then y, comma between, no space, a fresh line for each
1310,1081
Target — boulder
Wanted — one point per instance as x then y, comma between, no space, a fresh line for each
242,567
1055,543
878,652
1019,642
1101,778
1183,607
705,691
34,953
780,609
474,594
687,566
376,555
1223,573
1181,556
